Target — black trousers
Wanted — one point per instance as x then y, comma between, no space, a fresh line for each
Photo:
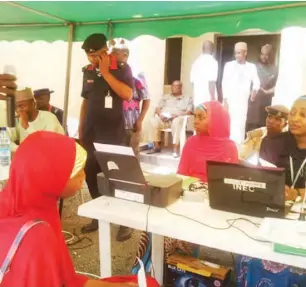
92,169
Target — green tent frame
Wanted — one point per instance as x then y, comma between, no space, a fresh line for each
28,20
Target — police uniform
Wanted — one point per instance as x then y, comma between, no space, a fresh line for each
104,121
254,138
59,113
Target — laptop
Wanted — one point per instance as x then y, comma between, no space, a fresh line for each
253,191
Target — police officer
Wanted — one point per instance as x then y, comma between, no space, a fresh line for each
105,86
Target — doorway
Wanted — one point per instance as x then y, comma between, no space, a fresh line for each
225,51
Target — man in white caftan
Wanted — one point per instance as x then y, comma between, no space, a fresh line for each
30,119
240,82
203,75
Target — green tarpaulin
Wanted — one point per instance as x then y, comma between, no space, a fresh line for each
48,20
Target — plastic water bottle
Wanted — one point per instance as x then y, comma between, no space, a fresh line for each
5,148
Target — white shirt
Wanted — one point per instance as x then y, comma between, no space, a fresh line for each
203,71
239,80
45,121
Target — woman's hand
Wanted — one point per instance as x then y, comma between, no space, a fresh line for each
290,193
7,84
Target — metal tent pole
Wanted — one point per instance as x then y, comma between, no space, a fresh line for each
68,72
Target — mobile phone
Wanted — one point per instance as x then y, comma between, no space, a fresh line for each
11,120
9,70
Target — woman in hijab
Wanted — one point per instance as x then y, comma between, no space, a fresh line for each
286,150
33,252
211,142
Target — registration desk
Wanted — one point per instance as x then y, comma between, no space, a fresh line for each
189,221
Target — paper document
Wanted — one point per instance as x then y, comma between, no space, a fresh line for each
166,115
4,173
282,231
117,149
266,163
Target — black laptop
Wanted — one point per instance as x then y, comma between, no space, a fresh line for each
254,191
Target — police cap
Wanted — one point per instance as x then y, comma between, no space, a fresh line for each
278,111
94,43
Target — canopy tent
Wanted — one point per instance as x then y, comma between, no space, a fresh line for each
48,20
74,21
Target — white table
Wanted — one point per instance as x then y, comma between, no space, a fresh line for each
162,223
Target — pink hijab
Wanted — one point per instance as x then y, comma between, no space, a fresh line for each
216,146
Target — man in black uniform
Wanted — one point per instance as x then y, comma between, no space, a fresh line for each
105,86
42,98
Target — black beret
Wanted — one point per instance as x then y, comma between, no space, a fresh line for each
94,43
42,92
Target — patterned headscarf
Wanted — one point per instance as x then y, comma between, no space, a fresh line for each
80,160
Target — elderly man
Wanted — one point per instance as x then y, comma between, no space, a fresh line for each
31,119
203,75
240,82
267,73
170,114
276,122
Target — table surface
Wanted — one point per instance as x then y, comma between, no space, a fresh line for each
162,222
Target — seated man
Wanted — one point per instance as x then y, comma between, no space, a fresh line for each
276,123
169,114
31,119
42,98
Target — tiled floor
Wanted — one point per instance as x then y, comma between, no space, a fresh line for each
163,159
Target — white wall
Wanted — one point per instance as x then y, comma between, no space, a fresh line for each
292,66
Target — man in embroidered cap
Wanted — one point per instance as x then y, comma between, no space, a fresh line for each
239,84
267,73
276,122
105,86
42,97
30,119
